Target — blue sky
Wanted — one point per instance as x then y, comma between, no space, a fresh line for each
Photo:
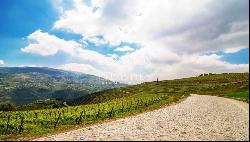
241,57
22,17
19,18
114,37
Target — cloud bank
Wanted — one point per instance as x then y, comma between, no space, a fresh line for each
177,38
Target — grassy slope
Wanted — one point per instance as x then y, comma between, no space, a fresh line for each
167,92
206,85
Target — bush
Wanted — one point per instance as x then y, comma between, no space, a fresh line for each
7,107
55,106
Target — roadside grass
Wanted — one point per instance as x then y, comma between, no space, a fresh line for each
242,95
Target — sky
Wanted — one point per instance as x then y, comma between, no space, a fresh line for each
129,41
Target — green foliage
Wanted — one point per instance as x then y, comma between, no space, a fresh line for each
47,104
244,95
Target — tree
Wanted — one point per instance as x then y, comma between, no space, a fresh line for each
7,107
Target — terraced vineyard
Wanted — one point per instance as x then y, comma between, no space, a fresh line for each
119,102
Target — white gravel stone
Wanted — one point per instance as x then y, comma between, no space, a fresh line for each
199,117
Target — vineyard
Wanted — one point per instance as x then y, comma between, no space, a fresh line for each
119,102
19,122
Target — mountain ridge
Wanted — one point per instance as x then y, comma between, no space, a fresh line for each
23,85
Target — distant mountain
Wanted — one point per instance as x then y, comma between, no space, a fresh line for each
22,85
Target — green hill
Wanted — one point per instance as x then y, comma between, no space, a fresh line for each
23,85
213,84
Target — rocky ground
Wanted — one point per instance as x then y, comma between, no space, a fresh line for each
199,117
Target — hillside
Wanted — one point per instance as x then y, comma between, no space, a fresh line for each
213,84
119,102
22,85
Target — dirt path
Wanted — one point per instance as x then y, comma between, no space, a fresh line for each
199,117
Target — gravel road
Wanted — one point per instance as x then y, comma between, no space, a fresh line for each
199,117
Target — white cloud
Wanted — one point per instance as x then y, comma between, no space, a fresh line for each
187,67
124,49
1,62
114,56
30,65
45,44
234,49
199,23
97,41
173,35
85,68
